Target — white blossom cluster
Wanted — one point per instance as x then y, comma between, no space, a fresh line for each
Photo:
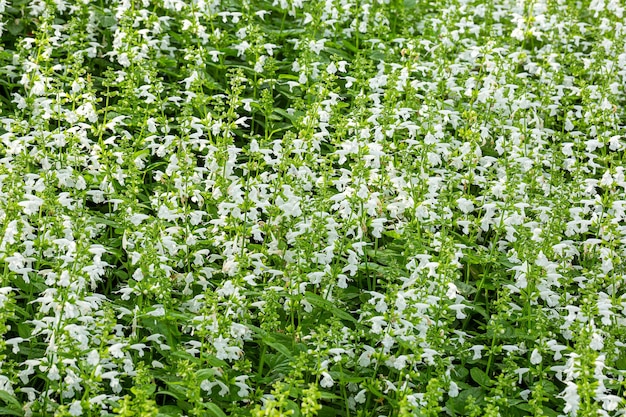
399,206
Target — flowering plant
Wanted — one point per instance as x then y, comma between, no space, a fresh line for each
312,208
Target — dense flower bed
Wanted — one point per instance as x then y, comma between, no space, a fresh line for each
331,208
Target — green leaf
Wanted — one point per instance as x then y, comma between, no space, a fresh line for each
549,412
524,406
339,52
373,267
206,373
457,404
283,113
279,348
214,361
24,330
477,308
293,406
169,411
384,256
349,45
480,377
620,363
464,288
345,378
291,77
461,372
10,412
271,341
510,334
277,365
214,410
392,234
171,333
106,21
15,27
170,393
10,400
27,288
326,305
325,395
327,411
108,222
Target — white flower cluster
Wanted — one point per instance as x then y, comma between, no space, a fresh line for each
399,203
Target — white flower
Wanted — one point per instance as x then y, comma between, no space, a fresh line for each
366,357
360,397
597,342
76,409
227,289
39,88
571,397
258,67
116,350
317,46
123,60
327,381
610,402
244,389
399,363
342,281
535,357
20,101
239,331
138,275
331,68
205,385
15,341
31,205
159,311
53,373
452,291
269,47
137,218
215,55
242,48
315,277
477,349
465,205
64,279
453,390
223,389
521,372
460,315
556,348
93,358
378,225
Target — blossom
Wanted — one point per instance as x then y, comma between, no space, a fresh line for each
453,390
244,389
535,357
597,342
476,349
327,381
31,205
571,398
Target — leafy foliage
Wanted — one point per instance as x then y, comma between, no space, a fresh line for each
312,208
